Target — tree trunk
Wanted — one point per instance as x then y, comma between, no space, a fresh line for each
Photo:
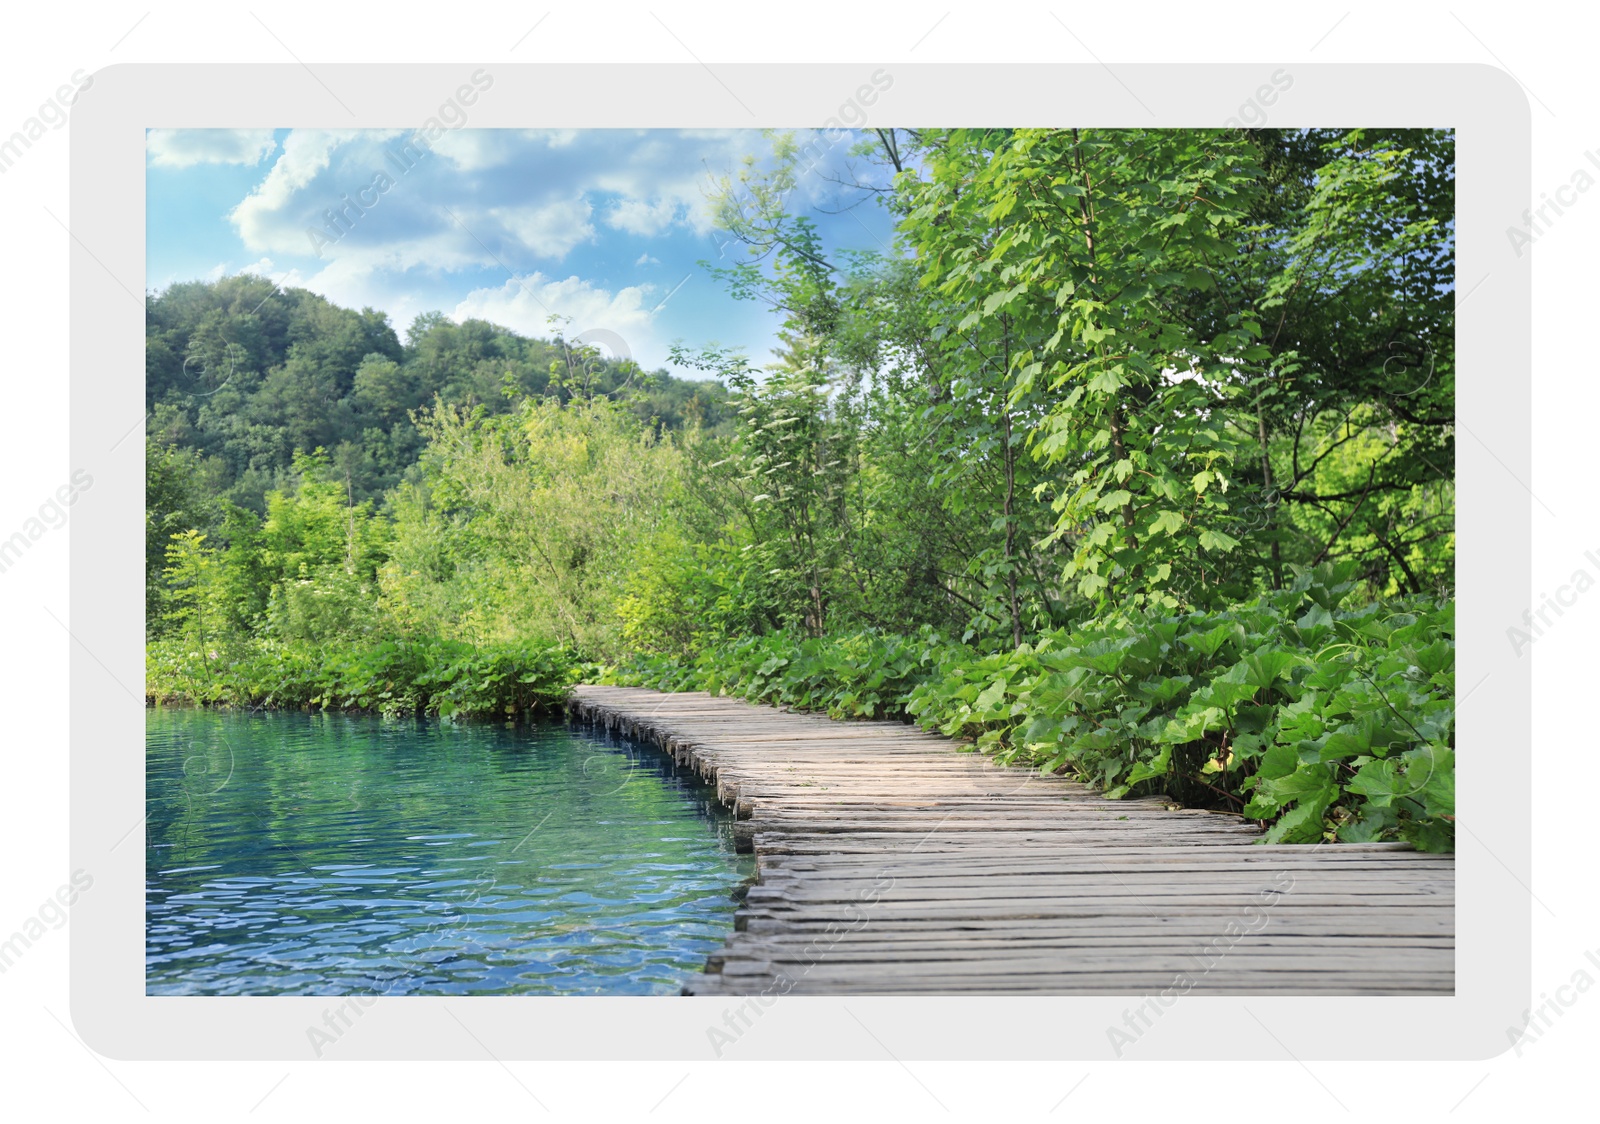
1010,462
1270,499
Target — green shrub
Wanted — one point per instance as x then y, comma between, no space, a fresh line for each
392,677
865,675
1322,722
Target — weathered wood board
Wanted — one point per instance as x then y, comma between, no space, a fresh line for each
890,862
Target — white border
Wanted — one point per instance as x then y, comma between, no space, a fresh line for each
109,1006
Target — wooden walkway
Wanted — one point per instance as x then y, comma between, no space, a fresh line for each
890,862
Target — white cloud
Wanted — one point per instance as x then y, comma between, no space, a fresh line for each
307,154
354,281
262,268
639,217
481,197
661,178
646,259
528,304
367,208
184,148
265,268
477,150
550,229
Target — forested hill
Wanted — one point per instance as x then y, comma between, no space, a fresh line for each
241,376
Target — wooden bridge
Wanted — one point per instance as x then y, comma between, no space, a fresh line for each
891,862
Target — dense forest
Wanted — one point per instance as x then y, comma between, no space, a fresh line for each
1132,457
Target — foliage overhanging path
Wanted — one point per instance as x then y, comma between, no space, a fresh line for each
891,863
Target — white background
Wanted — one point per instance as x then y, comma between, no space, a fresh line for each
46,1073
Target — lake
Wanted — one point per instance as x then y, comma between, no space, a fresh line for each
325,854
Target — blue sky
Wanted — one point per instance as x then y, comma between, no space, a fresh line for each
602,226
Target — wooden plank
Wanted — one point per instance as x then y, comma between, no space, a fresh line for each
892,862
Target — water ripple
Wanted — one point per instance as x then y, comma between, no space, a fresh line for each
352,854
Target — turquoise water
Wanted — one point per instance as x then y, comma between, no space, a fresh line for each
310,854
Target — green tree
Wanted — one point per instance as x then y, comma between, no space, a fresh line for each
196,599
530,523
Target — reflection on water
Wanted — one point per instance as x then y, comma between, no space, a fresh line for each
310,854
